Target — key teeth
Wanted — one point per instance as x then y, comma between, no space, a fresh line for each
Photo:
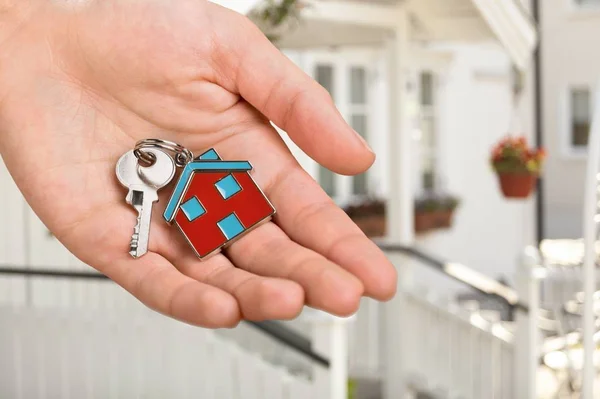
133,244
138,248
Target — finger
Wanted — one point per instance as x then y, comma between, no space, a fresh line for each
160,286
313,220
308,216
251,65
268,251
259,298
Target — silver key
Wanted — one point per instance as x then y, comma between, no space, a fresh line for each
143,184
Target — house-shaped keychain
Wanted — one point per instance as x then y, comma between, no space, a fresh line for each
215,202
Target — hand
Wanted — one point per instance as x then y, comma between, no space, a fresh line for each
81,82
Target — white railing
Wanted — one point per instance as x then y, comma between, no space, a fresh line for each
451,351
458,353
81,354
35,310
448,350
444,350
80,338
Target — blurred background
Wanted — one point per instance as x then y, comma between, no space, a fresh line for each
480,112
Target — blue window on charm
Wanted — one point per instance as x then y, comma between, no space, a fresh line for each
231,226
193,209
228,187
210,155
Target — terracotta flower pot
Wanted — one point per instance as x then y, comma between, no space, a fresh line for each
443,219
424,221
374,225
517,185
371,225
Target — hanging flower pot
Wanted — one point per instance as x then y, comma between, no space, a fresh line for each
517,166
371,225
369,216
444,219
424,221
434,211
517,185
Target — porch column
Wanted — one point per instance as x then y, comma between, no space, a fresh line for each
590,236
329,338
399,209
527,343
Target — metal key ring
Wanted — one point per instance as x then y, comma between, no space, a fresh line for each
183,156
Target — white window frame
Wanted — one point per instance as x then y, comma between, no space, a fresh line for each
433,112
436,62
565,126
342,61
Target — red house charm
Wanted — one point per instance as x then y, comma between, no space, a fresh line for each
215,202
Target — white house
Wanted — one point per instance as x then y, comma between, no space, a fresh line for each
431,85
570,75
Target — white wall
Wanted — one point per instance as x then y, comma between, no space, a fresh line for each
489,232
569,57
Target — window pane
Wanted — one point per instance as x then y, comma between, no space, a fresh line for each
359,123
358,85
360,182
428,132
428,178
324,75
428,140
426,88
428,153
580,117
327,180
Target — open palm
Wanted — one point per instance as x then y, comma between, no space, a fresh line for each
81,82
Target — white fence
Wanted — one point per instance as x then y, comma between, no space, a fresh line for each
457,353
448,351
91,339
76,354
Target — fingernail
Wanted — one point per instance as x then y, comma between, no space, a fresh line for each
363,142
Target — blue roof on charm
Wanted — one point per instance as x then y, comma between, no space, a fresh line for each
210,155
206,163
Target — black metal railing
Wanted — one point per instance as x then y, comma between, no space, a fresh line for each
298,342
275,330
469,277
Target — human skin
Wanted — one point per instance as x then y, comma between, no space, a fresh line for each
82,81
